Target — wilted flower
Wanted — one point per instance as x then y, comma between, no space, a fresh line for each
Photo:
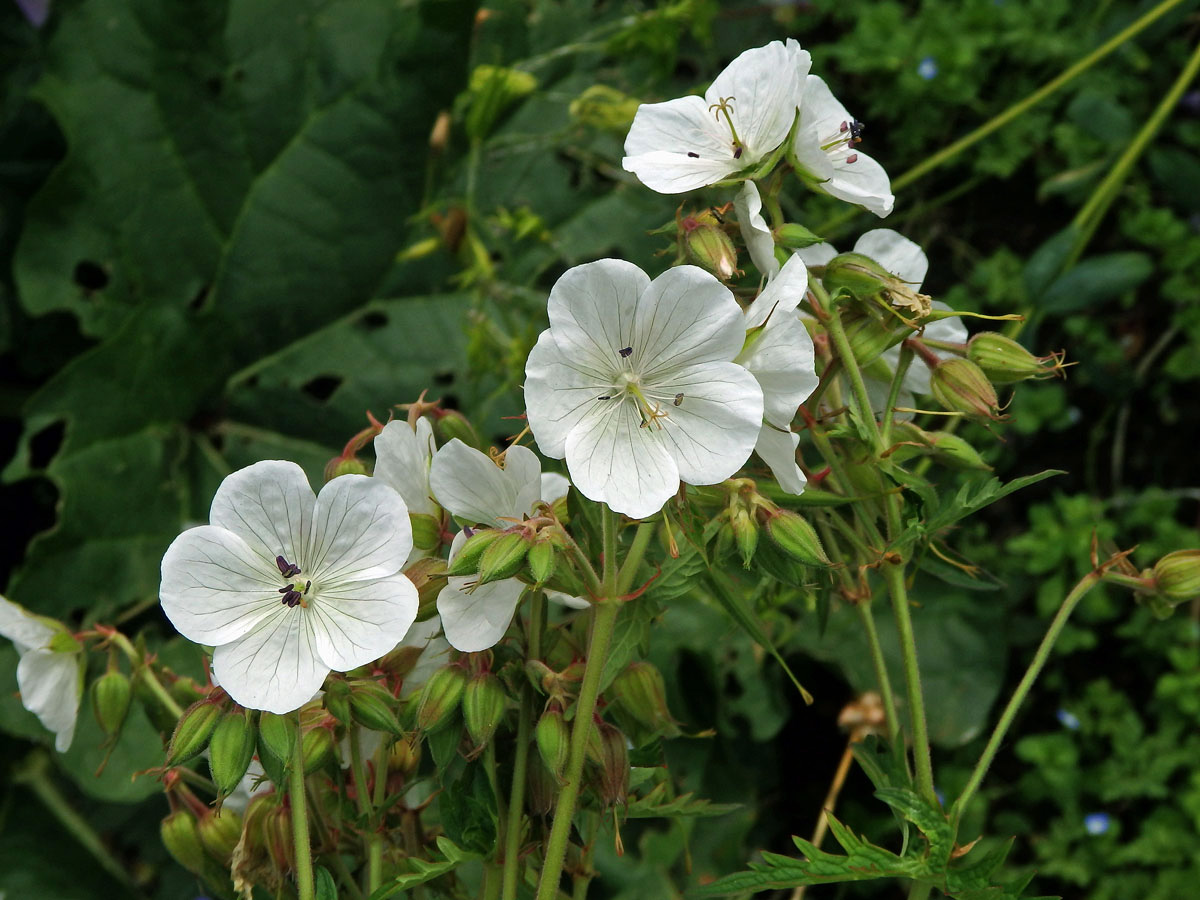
287,586
50,672
635,385
690,142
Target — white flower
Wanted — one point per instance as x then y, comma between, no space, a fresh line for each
635,385
779,353
760,242
476,490
690,142
907,261
50,671
287,586
402,457
826,149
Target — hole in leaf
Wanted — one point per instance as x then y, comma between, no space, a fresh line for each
443,378
450,401
45,444
322,387
686,70
90,276
37,499
373,320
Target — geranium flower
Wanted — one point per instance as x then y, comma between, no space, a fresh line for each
826,148
760,242
634,383
287,586
779,353
690,142
402,457
476,490
50,671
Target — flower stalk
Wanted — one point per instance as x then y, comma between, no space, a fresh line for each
300,836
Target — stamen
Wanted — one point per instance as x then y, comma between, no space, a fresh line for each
604,397
468,530
853,157
286,569
856,130
725,108
625,352
737,151
292,599
693,155
286,588
844,127
678,398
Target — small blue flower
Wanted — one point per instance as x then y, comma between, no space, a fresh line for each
940,796
927,68
1068,719
1096,823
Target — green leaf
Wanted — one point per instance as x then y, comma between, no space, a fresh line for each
468,809
326,886
657,805
1095,281
425,870
631,634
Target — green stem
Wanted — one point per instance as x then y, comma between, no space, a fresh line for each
604,617
375,837
34,774
299,801
881,673
344,875
833,323
141,669
637,550
906,358
919,890
1088,219
516,800
1014,704
894,576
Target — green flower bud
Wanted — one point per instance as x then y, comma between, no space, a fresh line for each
955,452
542,562
317,739
110,700
219,833
231,749
744,528
793,535
181,837
613,765
345,465
864,278
960,386
870,336
466,562
492,89
796,237
374,707
429,577
1004,361
193,731
503,557
276,743
426,530
708,246
553,739
605,108
440,697
336,701
405,755
1177,576
452,424
483,706
543,786
640,693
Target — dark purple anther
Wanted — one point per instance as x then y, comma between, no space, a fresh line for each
286,569
844,127
856,130
286,588
625,352
737,152
468,531
853,157
292,599
693,155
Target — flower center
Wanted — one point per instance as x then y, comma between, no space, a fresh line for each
848,134
627,385
293,594
725,108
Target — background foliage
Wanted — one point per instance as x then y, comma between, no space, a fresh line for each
224,236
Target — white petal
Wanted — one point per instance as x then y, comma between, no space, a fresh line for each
558,393
783,360
679,146
357,622
477,620
821,113
612,459
760,242
780,298
778,450
863,182
360,532
470,485
50,684
269,505
216,587
591,310
402,458
903,258
23,628
686,317
763,86
817,254
554,486
275,666
712,431
567,600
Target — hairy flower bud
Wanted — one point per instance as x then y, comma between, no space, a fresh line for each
193,731
603,107
345,465
613,764
219,833
466,562
708,246
542,562
231,749
796,237
1004,361
405,755
373,706
319,744
944,447
429,577
181,837
483,706
491,90
792,534
503,557
1177,576
869,336
640,693
960,386
744,528
553,739
276,742
863,278
110,700
337,700
440,697
451,424
426,531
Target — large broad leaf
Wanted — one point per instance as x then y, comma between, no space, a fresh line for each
240,175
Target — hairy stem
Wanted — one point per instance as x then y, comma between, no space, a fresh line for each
299,801
894,576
